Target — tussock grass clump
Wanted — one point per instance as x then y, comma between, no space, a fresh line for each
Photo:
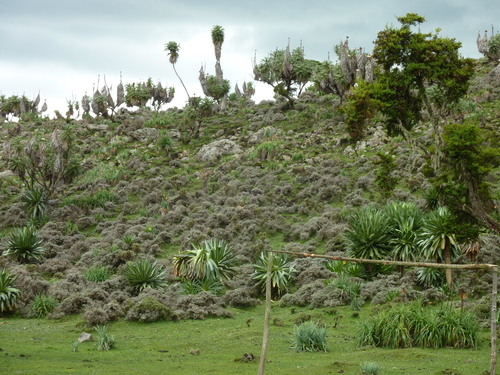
410,325
97,274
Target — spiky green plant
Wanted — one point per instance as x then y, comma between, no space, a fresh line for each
42,305
212,259
429,276
104,341
35,202
310,337
144,274
368,235
128,238
282,272
24,245
8,292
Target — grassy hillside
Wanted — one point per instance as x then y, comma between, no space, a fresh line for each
259,177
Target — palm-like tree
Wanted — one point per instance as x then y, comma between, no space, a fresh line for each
281,273
173,55
439,239
211,259
368,236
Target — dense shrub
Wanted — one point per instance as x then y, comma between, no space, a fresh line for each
201,306
147,309
240,298
95,315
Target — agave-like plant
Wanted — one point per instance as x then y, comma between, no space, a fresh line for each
368,236
144,274
211,259
8,292
35,202
24,245
282,272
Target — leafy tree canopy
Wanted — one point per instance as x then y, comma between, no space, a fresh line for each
288,72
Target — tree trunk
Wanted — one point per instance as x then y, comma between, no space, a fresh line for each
267,317
476,208
447,260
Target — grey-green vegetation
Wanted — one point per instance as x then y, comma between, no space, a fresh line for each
147,220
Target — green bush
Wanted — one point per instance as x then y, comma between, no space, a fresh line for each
42,305
309,337
24,245
144,274
8,292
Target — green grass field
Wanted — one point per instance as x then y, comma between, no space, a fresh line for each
31,346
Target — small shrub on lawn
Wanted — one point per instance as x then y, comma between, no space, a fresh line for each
310,337
104,341
369,368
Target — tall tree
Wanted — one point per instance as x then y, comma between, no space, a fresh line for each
173,55
419,70
439,238
216,86
288,72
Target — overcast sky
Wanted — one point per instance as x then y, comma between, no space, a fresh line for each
60,47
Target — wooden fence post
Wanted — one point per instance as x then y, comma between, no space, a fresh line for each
494,290
267,317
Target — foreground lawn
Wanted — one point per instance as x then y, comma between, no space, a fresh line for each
47,347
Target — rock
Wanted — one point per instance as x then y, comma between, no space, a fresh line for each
85,337
145,134
215,150
6,174
98,127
